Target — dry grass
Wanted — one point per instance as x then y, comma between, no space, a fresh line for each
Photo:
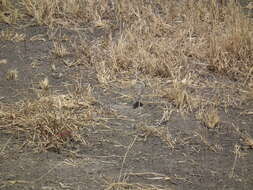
12,74
133,186
231,52
209,117
181,41
199,53
164,44
59,49
160,132
8,12
247,139
179,97
159,38
185,42
50,12
44,84
10,35
50,121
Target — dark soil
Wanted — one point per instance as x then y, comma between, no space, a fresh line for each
187,163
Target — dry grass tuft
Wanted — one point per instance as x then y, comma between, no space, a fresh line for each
44,84
104,74
10,35
247,139
60,50
42,11
160,132
209,117
179,97
12,74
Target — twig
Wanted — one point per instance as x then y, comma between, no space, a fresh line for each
125,156
5,145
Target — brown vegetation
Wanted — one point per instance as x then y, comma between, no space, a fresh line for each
196,57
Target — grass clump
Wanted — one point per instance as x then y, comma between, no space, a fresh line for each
8,12
49,121
44,84
12,74
230,42
10,35
209,117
